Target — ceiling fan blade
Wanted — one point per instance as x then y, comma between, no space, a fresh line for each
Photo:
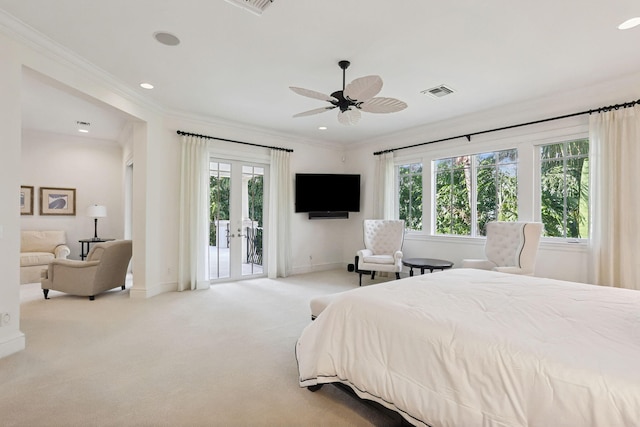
363,88
312,94
349,117
382,105
314,111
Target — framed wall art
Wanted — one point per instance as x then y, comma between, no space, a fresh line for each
57,201
26,200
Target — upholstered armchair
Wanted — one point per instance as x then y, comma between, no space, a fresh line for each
511,247
383,248
105,268
37,249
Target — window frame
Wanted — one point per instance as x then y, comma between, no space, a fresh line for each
537,189
403,161
525,139
474,168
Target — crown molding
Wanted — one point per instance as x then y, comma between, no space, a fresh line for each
40,43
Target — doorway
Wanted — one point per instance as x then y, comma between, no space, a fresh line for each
236,220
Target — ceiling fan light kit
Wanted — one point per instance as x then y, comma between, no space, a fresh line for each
359,95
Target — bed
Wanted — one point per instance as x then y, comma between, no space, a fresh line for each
479,348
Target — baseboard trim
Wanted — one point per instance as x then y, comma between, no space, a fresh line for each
144,293
12,344
317,267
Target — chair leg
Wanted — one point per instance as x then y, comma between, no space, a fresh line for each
92,297
46,293
397,275
360,279
373,275
123,287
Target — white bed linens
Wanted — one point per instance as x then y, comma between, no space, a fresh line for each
467,348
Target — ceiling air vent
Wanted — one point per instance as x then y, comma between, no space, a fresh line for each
254,6
438,91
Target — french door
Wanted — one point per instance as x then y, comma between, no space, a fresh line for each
237,221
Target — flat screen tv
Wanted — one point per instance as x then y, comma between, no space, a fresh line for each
327,195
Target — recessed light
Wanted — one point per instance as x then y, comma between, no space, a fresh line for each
166,39
146,85
629,23
322,128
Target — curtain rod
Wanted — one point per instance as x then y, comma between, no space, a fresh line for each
288,150
469,135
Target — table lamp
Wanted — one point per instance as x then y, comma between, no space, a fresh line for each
95,212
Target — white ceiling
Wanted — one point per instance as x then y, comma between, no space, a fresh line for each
234,66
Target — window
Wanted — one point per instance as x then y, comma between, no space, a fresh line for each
564,189
409,181
473,190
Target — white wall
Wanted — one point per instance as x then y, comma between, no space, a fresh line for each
318,243
11,339
93,167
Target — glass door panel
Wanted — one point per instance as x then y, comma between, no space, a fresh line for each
219,214
236,241
252,222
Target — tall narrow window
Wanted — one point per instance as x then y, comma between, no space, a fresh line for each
497,188
473,190
564,189
453,195
410,195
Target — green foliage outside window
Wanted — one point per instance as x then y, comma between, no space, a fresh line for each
410,195
256,200
453,195
219,203
564,189
256,188
490,178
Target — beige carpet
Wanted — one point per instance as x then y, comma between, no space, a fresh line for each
220,357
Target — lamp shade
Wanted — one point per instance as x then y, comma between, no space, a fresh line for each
97,211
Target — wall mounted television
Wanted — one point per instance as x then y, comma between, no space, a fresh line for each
327,195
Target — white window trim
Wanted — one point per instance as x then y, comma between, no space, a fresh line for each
404,160
526,140
537,196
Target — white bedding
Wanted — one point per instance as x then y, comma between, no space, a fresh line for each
477,348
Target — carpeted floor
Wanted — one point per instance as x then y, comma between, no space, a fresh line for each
218,357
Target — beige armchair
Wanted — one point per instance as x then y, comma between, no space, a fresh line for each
511,247
105,268
383,248
37,249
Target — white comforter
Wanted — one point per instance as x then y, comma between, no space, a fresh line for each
477,348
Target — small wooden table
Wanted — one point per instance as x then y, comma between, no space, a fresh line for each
426,263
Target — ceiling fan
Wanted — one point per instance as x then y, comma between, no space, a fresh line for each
359,95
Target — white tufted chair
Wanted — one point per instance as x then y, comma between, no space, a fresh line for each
383,247
511,247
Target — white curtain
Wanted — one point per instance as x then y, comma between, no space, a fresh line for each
280,208
614,139
194,222
384,197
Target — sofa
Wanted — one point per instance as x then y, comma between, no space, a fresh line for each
38,249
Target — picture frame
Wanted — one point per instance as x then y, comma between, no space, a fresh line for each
57,201
26,200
